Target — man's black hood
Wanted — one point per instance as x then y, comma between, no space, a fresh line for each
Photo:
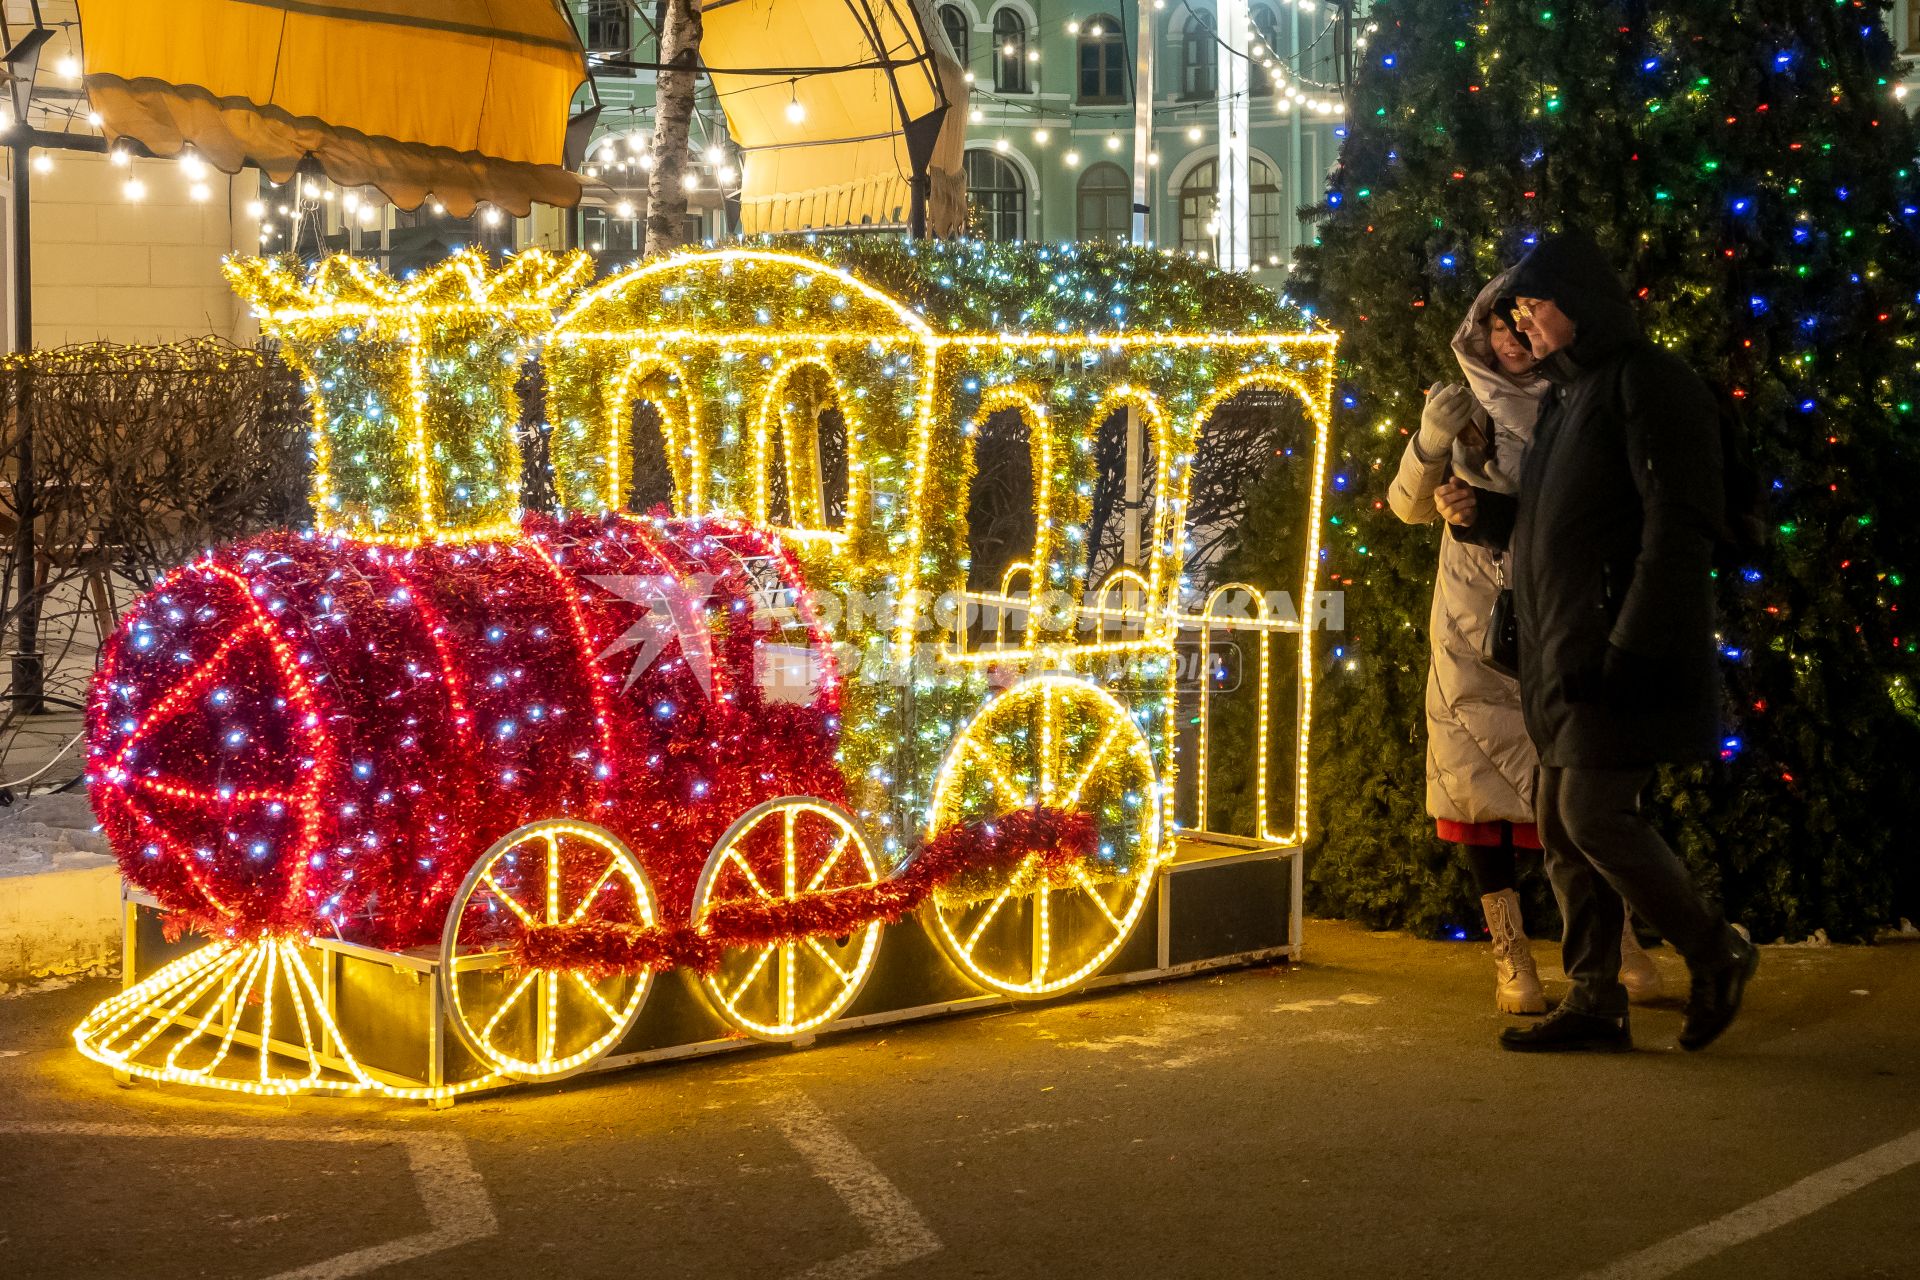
1570,270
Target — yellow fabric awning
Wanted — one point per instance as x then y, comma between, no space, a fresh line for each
845,162
464,100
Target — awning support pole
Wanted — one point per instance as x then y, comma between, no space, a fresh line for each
27,675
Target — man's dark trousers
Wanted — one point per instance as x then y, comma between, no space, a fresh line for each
1600,849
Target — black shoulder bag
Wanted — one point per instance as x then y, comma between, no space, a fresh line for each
1500,646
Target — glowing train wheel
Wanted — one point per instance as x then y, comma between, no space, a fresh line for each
1054,741
773,853
541,1024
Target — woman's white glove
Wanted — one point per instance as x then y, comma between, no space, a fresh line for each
1449,410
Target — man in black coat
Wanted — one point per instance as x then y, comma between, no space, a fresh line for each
1611,543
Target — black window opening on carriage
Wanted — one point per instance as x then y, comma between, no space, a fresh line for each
1108,513
808,480
649,473
1002,523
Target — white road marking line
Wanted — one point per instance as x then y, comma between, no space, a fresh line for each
897,1231
450,1188
1809,1195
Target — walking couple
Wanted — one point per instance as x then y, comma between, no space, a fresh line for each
1579,466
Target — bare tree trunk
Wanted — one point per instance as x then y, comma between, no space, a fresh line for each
672,111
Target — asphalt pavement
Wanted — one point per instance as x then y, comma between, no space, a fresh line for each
1349,1116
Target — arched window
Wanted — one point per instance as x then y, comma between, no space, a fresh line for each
1103,61
959,29
1009,52
1197,224
1264,46
1109,517
656,415
996,197
1001,521
1264,212
649,478
1105,209
807,464
1199,57
1199,210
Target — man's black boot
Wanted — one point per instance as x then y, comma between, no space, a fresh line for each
1570,1030
1716,997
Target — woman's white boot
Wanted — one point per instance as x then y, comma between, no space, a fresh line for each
1518,986
1637,971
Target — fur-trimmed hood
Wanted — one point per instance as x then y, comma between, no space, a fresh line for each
1511,404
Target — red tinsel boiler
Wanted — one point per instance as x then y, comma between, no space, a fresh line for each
298,735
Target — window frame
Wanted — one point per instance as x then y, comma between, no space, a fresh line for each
1010,69
634,229
1109,63
1199,37
1266,209
1019,192
601,14
961,38
1122,192
1259,79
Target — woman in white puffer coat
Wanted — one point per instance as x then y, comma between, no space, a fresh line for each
1480,762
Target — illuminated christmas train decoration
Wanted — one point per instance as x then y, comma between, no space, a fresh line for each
567,753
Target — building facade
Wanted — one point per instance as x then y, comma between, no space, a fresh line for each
1051,126
1050,152
1905,24
129,251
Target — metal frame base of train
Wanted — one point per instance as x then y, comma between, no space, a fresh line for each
1221,901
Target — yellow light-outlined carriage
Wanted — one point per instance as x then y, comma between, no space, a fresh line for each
964,716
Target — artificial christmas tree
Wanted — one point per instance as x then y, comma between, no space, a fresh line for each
1752,177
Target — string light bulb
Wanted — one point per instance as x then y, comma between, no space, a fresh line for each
795,111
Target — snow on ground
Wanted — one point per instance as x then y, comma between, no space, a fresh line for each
50,833
59,889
